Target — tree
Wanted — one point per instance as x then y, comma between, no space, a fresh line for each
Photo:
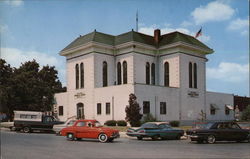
28,87
133,115
246,114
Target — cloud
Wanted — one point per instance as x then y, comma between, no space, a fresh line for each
14,2
15,57
213,11
186,24
168,29
229,72
241,25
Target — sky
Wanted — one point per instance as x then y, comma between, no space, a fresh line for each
40,29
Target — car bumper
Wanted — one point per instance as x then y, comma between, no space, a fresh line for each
115,136
196,137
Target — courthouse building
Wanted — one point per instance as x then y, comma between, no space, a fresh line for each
166,72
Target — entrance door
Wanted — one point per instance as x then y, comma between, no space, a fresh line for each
80,111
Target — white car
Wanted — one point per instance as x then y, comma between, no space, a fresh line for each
57,128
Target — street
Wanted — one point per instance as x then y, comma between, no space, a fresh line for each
49,146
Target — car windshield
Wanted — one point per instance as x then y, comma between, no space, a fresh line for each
98,124
203,125
149,125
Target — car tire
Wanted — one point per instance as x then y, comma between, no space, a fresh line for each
26,129
139,138
103,138
178,137
70,137
211,139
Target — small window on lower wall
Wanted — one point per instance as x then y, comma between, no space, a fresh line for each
99,108
107,108
163,108
146,107
60,108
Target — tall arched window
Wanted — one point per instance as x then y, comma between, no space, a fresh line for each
190,75
147,73
82,75
80,111
77,75
195,75
119,73
104,74
153,74
125,78
166,74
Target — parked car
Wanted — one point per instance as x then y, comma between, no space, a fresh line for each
89,129
195,126
219,131
57,128
31,120
155,130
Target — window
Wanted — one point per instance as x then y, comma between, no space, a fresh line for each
195,75
147,73
146,107
99,108
82,75
153,74
104,74
166,74
81,123
227,110
119,73
60,110
107,108
77,75
124,65
212,111
163,108
190,75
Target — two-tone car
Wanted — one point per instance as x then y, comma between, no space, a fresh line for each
155,130
91,129
219,131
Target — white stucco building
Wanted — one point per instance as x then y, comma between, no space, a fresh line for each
167,73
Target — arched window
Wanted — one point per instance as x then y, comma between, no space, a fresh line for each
77,75
119,73
153,74
147,73
166,74
82,75
190,75
104,74
125,78
195,75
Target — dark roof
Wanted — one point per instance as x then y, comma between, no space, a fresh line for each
166,39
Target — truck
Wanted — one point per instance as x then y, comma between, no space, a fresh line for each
27,121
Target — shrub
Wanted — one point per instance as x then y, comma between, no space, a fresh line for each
121,123
149,118
174,123
246,114
110,123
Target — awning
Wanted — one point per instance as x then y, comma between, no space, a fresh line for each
229,107
214,106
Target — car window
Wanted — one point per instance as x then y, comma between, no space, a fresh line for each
235,126
81,123
97,124
149,125
163,126
71,122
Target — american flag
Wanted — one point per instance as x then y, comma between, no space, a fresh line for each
199,33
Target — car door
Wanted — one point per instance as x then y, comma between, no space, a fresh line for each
92,130
237,132
81,130
221,132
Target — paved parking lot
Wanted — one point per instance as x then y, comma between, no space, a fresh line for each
48,146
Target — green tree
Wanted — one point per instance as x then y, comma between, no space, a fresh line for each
27,87
133,115
246,114
6,73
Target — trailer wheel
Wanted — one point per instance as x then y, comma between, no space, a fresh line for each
26,129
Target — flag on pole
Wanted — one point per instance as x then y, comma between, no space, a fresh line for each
199,33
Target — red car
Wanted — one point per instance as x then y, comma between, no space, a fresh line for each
89,129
